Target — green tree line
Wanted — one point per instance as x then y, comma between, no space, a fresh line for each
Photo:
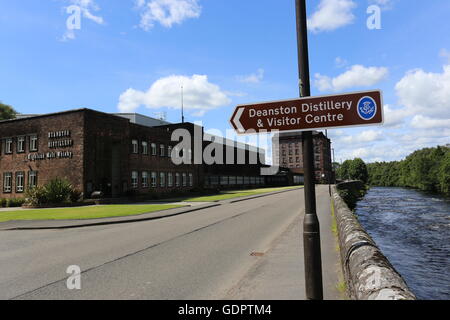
427,169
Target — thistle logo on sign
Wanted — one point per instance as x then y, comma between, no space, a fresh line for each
367,108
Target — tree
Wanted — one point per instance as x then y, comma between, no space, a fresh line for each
7,112
358,170
342,171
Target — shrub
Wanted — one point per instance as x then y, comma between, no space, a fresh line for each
36,196
58,190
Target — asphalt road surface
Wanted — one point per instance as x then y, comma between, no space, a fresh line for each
198,255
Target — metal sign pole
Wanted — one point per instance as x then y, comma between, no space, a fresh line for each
311,230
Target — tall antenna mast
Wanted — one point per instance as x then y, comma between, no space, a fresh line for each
182,104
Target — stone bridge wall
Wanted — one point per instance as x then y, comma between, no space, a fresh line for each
368,273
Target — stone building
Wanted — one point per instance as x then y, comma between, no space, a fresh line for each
116,154
288,152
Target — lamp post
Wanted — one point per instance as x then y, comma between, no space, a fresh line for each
311,228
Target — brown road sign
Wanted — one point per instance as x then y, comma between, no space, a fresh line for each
324,112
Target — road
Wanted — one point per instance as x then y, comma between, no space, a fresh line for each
198,255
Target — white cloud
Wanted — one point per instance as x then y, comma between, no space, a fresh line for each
86,7
444,53
362,137
426,93
331,15
394,118
167,12
421,122
356,76
252,78
340,62
384,4
200,95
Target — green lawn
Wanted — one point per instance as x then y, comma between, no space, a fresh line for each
81,213
224,195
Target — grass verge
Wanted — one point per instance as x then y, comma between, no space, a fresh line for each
83,213
225,195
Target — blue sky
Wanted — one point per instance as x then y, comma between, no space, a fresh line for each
133,56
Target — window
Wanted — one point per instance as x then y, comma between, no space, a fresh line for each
170,180
20,144
8,145
153,179
32,179
33,143
153,149
144,147
144,179
169,151
162,179
184,180
162,150
191,180
7,182
20,182
134,144
134,179
177,180
224,180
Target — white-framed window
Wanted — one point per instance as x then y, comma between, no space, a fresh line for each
32,179
7,182
135,146
154,151
20,182
8,145
184,180
169,151
20,144
144,179
162,150
177,180
191,180
134,179
144,147
162,179
170,180
33,143
153,180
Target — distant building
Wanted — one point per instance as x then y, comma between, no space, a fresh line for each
289,154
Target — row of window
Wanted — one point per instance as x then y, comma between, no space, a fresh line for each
162,179
20,144
19,178
233,180
150,149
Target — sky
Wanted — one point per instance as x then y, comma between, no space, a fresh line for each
135,55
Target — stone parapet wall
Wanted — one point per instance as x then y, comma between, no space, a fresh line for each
368,273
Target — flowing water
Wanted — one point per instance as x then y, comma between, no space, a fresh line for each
412,229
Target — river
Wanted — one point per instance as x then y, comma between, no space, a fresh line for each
412,229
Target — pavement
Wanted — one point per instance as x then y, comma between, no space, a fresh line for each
240,249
